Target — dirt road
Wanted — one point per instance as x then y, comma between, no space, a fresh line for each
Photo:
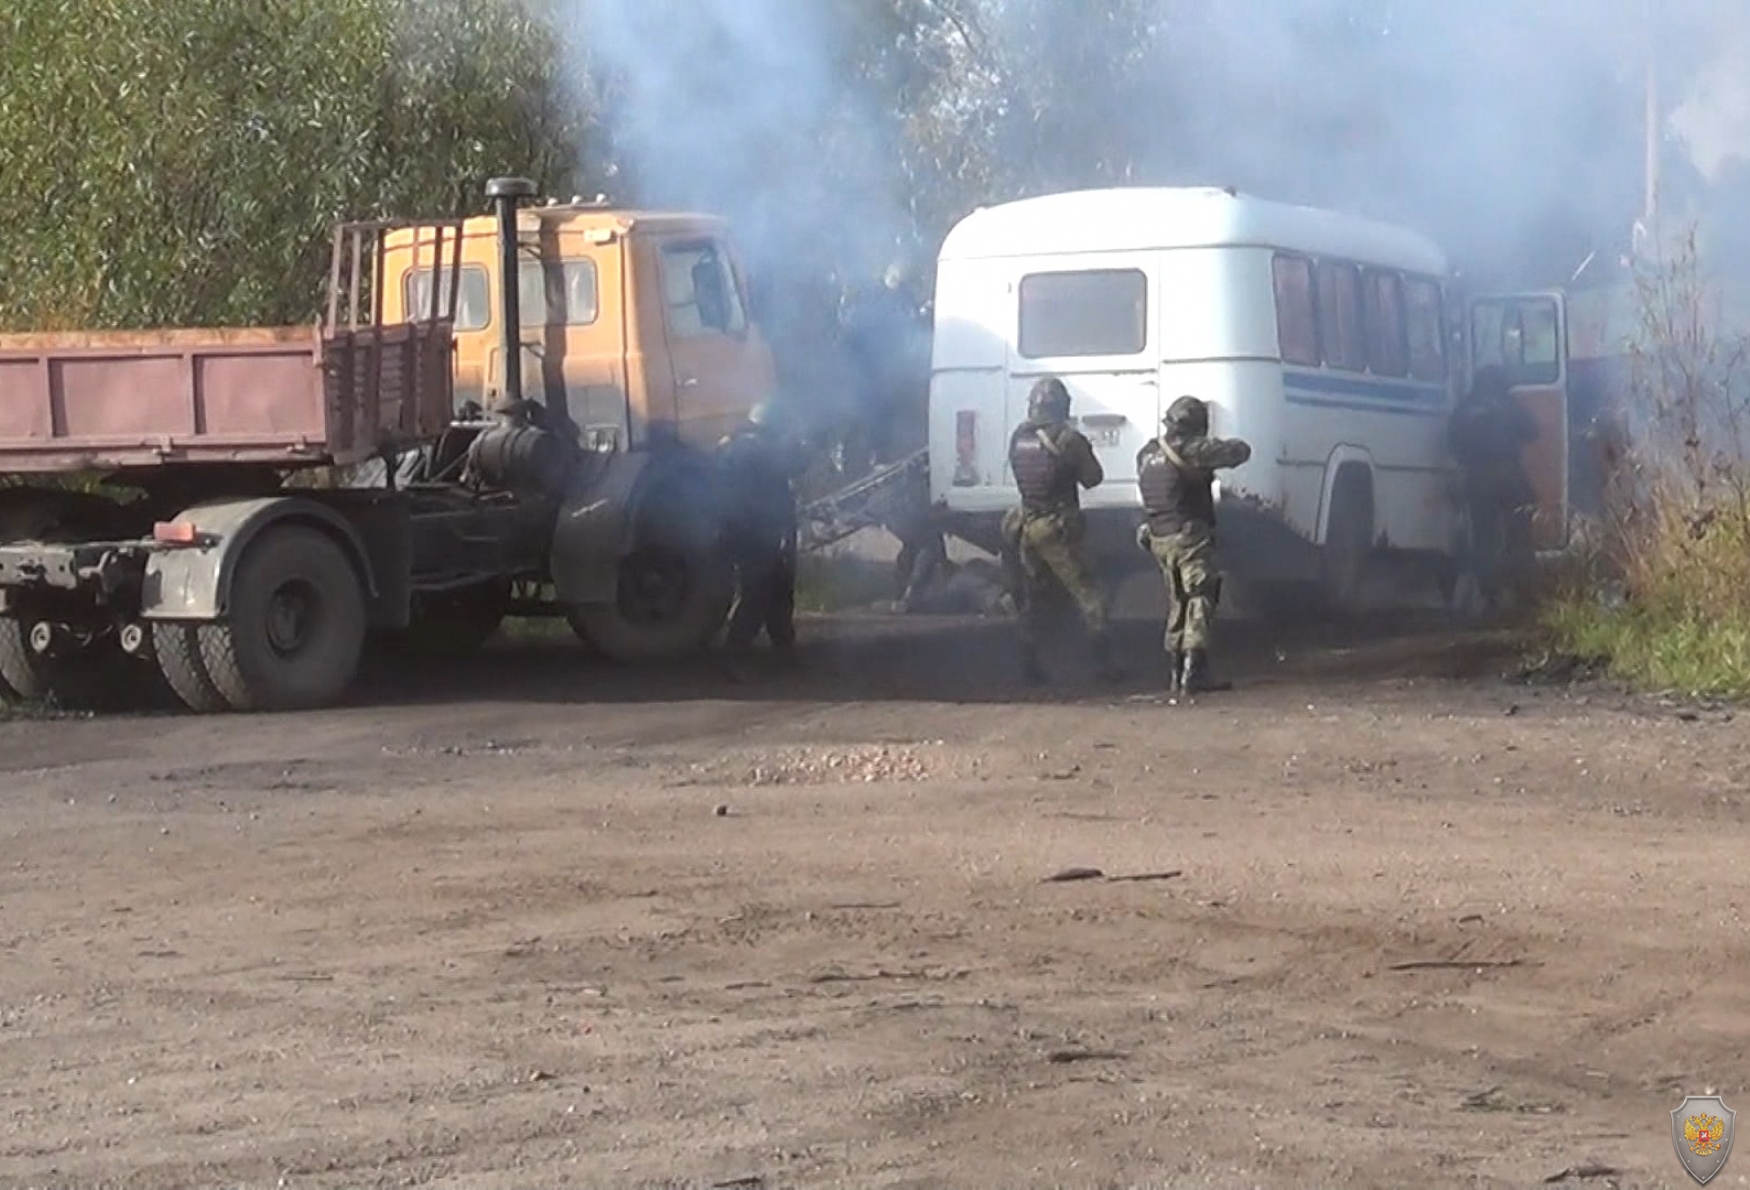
1422,927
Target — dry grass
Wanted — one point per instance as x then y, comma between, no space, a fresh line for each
1664,594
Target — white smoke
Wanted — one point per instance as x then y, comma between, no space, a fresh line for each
843,131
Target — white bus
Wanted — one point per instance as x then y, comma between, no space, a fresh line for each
1320,338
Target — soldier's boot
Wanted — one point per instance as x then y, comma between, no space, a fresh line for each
1175,673
1032,672
1197,678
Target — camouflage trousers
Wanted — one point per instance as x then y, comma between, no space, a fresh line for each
1187,562
1047,550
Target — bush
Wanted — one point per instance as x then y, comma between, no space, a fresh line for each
1665,597
182,162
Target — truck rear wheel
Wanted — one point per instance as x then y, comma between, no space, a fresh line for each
177,649
295,631
98,675
99,678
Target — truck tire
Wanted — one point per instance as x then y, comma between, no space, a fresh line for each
97,681
177,650
295,631
99,678
674,588
672,603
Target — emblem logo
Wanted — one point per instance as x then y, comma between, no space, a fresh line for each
1701,1131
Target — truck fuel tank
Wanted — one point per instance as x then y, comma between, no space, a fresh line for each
518,457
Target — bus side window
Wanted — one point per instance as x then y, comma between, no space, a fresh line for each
1521,335
1383,317
1340,316
1425,325
1297,328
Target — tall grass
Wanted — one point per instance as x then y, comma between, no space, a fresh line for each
1665,596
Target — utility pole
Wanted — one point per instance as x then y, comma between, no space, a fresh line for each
1654,131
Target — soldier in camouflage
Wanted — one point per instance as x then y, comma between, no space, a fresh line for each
1052,461
1176,475
759,464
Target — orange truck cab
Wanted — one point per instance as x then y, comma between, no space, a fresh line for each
634,324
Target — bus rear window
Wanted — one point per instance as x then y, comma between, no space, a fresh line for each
1092,312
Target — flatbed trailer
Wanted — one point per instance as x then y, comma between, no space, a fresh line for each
160,521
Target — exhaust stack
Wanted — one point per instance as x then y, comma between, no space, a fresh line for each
506,194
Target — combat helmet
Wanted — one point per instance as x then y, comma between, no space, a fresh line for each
1187,415
1049,401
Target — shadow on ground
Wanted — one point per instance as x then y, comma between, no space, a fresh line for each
879,657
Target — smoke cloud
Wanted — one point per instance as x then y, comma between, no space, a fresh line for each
838,133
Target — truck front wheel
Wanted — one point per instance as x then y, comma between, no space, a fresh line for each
671,603
295,628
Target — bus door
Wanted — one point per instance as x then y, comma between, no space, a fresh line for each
1089,327
1526,336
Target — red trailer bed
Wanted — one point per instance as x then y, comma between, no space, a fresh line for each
286,396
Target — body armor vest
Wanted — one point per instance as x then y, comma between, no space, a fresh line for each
1045,482
1174,498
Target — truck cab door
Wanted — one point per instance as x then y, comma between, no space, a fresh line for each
1526,335
718,360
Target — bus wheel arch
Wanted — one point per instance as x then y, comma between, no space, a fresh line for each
1348,528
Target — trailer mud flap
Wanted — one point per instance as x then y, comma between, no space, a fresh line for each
194,582
592,532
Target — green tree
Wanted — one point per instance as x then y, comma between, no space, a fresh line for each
182,162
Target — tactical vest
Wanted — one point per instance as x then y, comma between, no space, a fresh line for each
1045,481
1173,498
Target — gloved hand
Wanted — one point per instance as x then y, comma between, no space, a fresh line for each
1143,538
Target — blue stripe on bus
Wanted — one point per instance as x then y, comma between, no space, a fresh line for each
1349,386
1324,390
1398,408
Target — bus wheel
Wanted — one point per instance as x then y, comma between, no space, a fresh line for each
295,631
1348,541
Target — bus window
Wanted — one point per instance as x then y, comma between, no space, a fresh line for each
1383,316
1425,326
1521,335
1091,312
1297,327
1340,316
